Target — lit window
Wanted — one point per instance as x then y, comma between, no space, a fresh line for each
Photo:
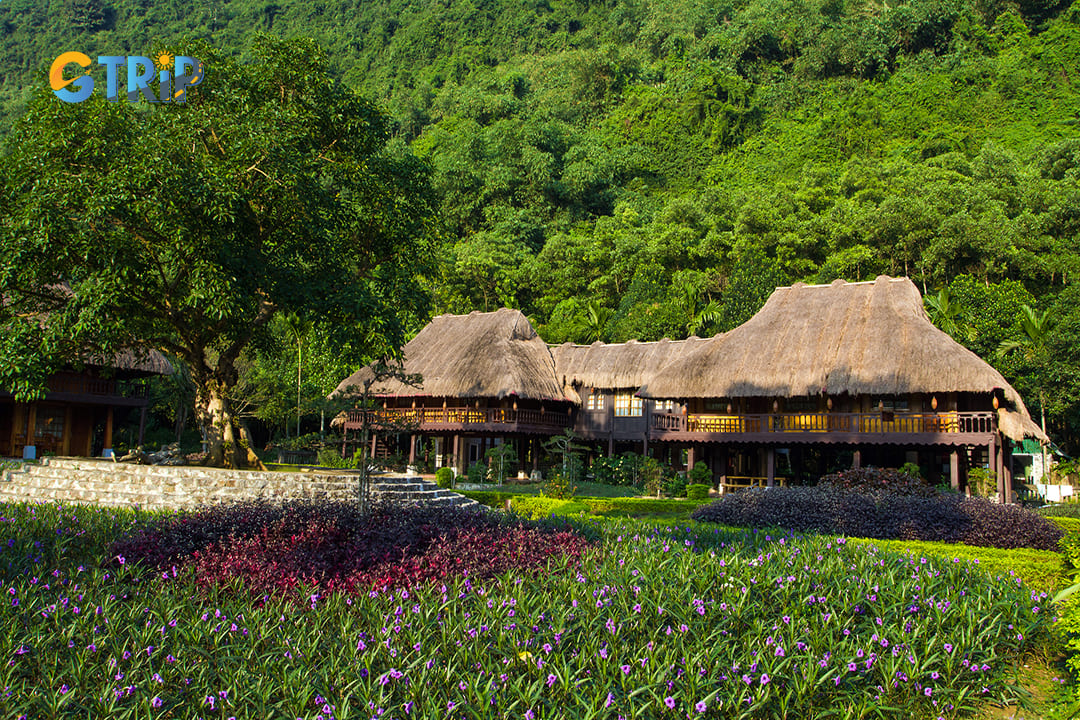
627,405
595,401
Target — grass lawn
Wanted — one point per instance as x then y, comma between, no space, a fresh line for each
655,620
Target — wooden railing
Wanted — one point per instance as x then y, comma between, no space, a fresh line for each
733,483
81,385
421,417
870,423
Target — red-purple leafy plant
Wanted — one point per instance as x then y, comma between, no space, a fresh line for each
332,546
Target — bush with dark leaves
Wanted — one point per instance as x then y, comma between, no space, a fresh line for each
879,482
277,548
832,509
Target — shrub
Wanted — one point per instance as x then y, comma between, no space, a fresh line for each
333,546
623,470
1065,509
833,509
559,486
700,474
477,473
444,477
674,485
879,481
1068,525
982,482
538,507
697,492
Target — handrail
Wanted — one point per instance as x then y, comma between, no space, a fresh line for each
458,415
876,422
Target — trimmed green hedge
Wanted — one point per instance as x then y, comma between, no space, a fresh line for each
540,507
1070,525
1042,570
595,506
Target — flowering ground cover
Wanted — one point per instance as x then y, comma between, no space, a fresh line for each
655,621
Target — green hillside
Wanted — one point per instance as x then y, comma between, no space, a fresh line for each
649,168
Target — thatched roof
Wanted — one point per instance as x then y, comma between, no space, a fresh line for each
494,355
618,365
150,362
856,338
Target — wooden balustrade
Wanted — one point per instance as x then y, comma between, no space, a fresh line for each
862,423
462,417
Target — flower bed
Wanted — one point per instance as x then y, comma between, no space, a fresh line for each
660,621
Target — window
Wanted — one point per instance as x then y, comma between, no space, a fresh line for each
665,405
891,404
595,401
627,405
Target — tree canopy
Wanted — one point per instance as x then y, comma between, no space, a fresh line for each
187,228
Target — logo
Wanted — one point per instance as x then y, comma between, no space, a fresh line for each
174,74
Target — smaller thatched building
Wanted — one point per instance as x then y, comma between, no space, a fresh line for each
607,378
468,382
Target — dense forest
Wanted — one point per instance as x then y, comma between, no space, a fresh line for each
647,168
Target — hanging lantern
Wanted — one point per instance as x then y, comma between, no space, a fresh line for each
881,405
995,401
776,406
729,408
933,402
828,403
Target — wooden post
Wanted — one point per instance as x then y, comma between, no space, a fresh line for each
457,454
690,459
522,452
31,424
65,447
991,461
954,469
108,432
770,467
412,450
1006,470
536,453
142,425
856,461
611,443
723,466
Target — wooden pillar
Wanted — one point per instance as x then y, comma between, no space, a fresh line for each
856,461
690,458
65,447
723,465
954,469
108,431
611,443
536,453
1007,471
457,454
31,423
412,450
770,467
522,453
991,462
142,425
374,441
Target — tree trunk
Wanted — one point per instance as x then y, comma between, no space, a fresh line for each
214,414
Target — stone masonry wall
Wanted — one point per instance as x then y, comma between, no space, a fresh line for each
103,482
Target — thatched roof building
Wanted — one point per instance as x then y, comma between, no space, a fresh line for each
618,365
493,355
856,338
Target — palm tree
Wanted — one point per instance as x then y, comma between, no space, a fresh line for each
705,317
596,320
944,313
1037,329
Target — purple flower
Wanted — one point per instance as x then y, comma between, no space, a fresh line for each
928,692
529,715
764,678
156,702
551,680
607,703
701,706
625,669
670,702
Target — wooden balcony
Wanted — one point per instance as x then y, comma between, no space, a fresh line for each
944,428
70,387
462,420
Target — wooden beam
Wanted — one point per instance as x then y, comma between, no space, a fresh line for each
770,466
65,444
954,469
856,459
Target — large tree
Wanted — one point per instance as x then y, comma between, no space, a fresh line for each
185,228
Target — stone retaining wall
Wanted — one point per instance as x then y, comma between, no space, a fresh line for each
103,482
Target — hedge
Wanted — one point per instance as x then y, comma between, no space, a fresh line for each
1041,570
539,507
